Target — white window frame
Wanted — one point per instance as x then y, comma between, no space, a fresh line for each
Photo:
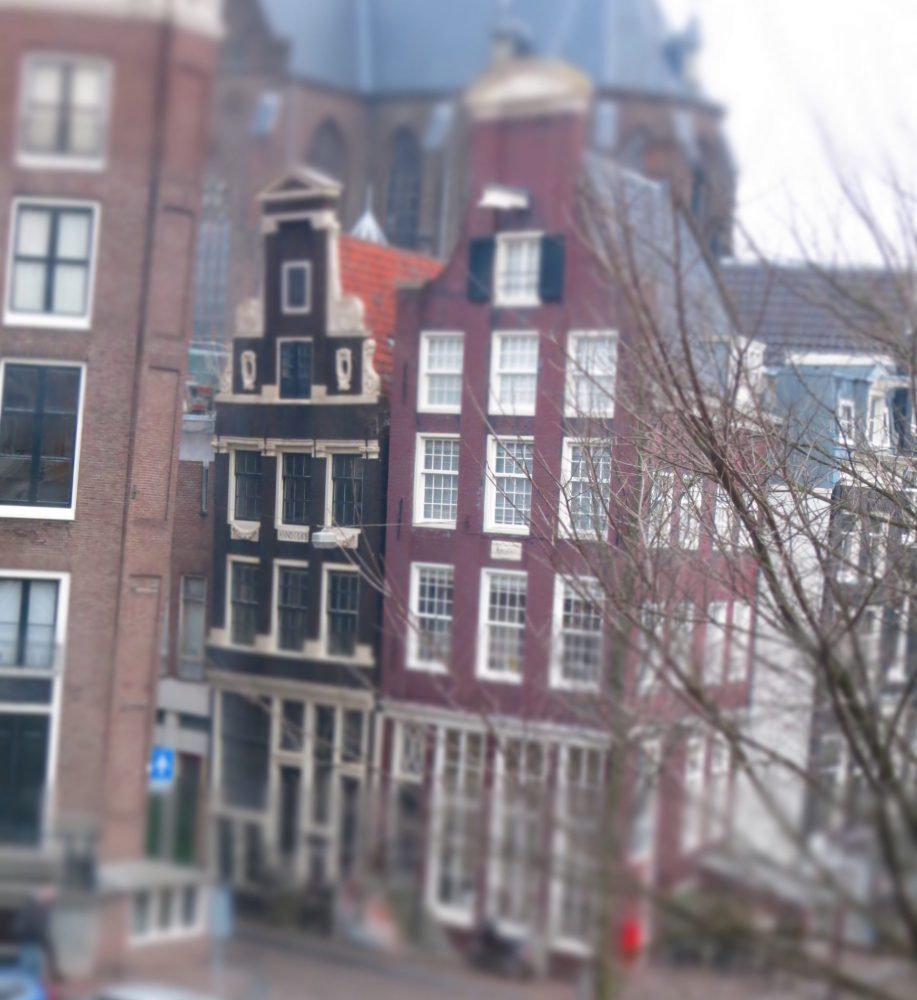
715,638
328,513
648,755
63,161
879,425
251,560
564,520
504,677
55,675
279,564
740,640
36,512
575,373
420,477
846,420
423,388
288,448
693,784
490,487
293,400
690,512
177,929
285,308
511,409
231,499
503,240
181,615
359,653
658,513
579,584
44,320
897,670
718,787
413,658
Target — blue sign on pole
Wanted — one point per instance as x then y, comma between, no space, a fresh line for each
162,768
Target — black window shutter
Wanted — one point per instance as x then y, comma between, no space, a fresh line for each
551,279
481,268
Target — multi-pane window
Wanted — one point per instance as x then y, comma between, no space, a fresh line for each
292,602
430,641
458,795
342,611
295,369
247,488
643,809
347,490
879,436
592,363
659,508
846,421
38,435
717,793
723,518
28,618
504,596
193,627
586,491
64,107
441,360
52,261
579,629
715,642
650,646
692,789
437,493
297,488
689,512
244,588
514,373
739,639
296,288
509,484
517,269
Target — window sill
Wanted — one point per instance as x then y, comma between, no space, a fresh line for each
449,410
36,513
452,917
46,321
59,161
571,413
503,529
497,409
517,302
495,678
559,683
438,525
436,669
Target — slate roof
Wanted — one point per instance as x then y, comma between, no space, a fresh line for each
804,308
387,47
374,273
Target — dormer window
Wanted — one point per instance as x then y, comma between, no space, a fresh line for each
518,267
846,420
296,288
878,422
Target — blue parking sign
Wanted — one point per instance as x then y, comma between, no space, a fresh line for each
162,768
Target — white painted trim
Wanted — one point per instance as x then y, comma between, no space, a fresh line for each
231,499
36,512
572,372
494,406
503,239
363,653
490,488
412,661
564,526
177,929
419,473
282,448
51,320
230,559
202,17
278,369
481,671
557,680
423,404
277,565
288,310
838,359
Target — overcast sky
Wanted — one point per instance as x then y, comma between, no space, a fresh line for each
796,76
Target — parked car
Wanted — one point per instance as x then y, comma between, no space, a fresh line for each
146,991
20,981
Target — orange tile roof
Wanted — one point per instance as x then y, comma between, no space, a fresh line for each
373,273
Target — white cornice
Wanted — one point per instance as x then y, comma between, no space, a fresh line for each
203,16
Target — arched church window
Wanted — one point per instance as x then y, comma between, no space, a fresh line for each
402,206
328,150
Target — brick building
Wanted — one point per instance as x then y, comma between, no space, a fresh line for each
102,145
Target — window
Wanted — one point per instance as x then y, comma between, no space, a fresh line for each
441,361
739,641
846,421
347,490
692,794
643,810
586,489
659,508
193,627
28,621
292,601
503,615
295,369
402,205
39,436
592,362
509,485
689,512
51,269
342,609
297,488
650,649
578,614
715,642
877,546
64,108
514,373
457,814
247,492
164,913
848,550
518,269
717,797
430,635
296,287
436,500
245,587
723,518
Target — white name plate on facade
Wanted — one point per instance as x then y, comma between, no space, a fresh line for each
293,535
508,551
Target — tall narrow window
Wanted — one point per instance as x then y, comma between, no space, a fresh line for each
739,642
347,490
436,499
28,619
715,642
247,489
650,647
717,797
692,788
64,107
689,512
402,214
586,490
342,604
245,586
643,810
518,268
504,596
295,369
846,421
592,361
441,361
297,488
38,435
193,627
296,286
292,602
51,269
430,638
578,625
509,485
514,373
659,507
